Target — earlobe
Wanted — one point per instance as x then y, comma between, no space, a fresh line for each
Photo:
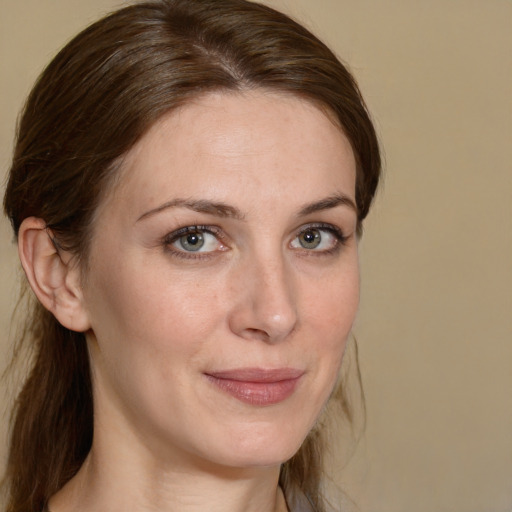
53,275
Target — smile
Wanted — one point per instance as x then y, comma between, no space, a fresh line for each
257,386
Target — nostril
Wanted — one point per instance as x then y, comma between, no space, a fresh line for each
257,334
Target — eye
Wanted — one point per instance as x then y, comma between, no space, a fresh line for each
323,239
191,242
194,239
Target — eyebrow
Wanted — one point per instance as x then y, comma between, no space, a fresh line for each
220,209
328,203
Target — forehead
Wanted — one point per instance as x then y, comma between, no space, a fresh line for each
257,140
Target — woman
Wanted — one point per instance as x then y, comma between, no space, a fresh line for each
187,191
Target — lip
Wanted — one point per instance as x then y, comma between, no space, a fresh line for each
257,386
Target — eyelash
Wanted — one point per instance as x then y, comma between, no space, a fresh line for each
171,238
340,237
176,235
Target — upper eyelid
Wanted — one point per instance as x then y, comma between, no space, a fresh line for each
170,239
326,226
220,233
173,237
214,230
339,235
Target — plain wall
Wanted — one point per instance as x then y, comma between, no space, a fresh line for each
435,322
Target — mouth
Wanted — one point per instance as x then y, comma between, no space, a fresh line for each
257,386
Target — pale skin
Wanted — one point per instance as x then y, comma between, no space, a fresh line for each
229,243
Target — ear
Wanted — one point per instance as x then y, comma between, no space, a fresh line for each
53,274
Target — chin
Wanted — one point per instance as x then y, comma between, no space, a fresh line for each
263,448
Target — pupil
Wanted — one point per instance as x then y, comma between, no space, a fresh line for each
309,237
192,239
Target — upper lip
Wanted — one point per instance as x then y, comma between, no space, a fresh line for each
257,374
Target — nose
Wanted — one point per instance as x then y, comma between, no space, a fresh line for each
264,306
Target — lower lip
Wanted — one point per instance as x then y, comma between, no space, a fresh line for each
257,393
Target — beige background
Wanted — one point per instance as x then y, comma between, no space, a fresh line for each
435,326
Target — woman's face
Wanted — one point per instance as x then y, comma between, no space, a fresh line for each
223,281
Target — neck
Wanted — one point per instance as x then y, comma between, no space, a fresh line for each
122,481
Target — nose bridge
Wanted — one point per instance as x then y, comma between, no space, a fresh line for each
266,307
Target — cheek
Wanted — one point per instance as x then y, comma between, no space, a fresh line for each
329,315
147,321
146,335
333,305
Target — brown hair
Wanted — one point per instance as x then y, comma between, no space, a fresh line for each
93,102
